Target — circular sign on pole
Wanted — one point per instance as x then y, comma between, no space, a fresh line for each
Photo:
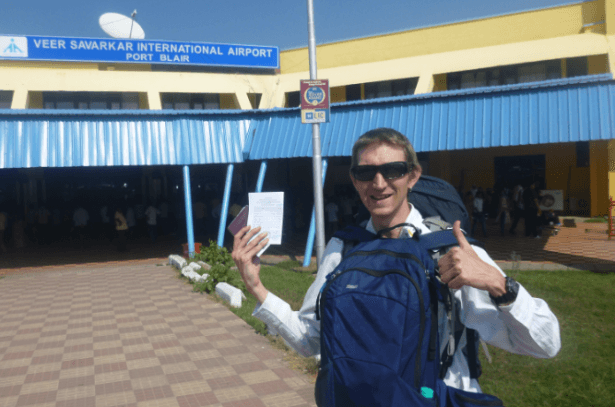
314,95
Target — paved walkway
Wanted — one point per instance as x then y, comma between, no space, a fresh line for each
132,335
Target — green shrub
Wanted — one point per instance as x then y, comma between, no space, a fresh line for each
598,219
221,262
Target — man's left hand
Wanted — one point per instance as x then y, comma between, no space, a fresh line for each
462,266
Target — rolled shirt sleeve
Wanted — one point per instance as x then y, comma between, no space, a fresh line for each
525,327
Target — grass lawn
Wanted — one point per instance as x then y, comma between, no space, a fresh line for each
582,374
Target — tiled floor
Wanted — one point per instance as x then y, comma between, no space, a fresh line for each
132,335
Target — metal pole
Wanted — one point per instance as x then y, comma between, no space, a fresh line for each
225,203
316,155
261,176
309,247
188,204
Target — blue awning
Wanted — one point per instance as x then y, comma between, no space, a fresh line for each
30,138
555,111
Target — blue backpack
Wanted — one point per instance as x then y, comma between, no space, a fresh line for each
379,326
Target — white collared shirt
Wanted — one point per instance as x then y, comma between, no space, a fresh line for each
525,327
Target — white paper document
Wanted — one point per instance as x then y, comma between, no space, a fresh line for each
267,211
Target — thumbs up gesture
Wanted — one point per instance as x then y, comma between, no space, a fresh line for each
462,266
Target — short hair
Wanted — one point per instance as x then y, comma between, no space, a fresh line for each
388,136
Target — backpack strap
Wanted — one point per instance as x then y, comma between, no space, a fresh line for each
438,243
351,235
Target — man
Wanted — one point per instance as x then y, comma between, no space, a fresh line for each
384,168
151,213
518,209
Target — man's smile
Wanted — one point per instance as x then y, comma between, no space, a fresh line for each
380,198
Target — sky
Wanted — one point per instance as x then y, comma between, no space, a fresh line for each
281,23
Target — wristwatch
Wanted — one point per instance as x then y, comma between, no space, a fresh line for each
512,289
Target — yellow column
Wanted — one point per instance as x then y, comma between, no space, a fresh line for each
598,177
611,163
20,99
609,6
153,100
609,12
425,84
243,101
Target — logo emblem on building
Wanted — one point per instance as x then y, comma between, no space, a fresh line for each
16,47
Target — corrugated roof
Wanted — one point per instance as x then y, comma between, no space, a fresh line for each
565,110
55,139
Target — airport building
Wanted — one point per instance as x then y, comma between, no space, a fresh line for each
488,102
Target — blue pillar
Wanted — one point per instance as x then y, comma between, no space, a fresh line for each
261,176
312,233
225,203
188,204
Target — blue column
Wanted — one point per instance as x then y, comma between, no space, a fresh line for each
225,202
188,204
311,234
261,176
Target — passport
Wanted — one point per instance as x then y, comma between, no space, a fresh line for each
239,222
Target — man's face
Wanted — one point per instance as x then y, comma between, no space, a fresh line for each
385,199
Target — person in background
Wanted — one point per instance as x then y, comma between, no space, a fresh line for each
479,213
121,226
151,213
503,211
131,221
518,207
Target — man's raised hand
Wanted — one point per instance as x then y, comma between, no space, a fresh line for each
462,266
248,263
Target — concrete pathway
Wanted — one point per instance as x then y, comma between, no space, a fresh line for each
132,335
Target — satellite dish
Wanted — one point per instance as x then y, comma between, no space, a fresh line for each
120,26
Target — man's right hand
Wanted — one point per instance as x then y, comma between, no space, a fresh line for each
248,263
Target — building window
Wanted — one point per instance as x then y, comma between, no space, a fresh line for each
353,92
90,100
293,99
398,87
506,75
576,67
582,148
6,98
190,101
255,99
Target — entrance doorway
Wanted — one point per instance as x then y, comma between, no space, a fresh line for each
521,169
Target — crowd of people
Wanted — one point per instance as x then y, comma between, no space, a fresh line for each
507,207
86,220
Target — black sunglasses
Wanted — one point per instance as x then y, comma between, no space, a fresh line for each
392,170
